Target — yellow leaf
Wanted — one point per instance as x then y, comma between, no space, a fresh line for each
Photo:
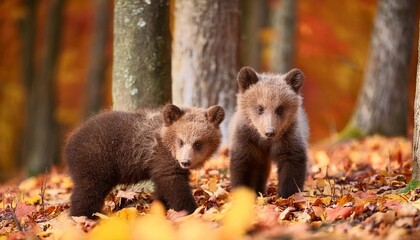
44,234
100,215
240,217
396,197
127,213
213,184
326,200
157,209
33,200
321,183
345,199
195,229
322,158
213,214
28,184
67,182
153,227
112,229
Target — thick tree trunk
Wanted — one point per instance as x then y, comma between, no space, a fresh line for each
41,150
94,91
383,100
142,54
205,55
416,137
283,22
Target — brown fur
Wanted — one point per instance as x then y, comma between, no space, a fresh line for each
126,147
270,123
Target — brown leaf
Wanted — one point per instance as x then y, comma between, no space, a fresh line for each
338,213
22,210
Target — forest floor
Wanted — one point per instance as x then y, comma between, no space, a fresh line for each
354,190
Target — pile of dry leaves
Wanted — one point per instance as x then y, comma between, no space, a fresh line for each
355,190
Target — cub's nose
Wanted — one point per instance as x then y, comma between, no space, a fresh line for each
269,132
186,163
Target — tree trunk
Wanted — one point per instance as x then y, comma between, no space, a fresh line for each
253,17
41,149
94,91
382,105
416,137
205,55
27,28
283,22
142,54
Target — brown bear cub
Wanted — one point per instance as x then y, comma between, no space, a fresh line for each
270,124
126,147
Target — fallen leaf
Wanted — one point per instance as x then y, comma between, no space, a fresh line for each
339,212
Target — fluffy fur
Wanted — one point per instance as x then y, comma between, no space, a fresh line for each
126,147
270,124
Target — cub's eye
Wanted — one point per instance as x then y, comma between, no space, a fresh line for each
280,110
197,145
181,143
260,110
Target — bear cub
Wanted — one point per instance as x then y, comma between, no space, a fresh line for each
269,124
119,147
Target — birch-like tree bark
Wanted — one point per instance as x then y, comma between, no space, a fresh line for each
142,54
382,105
205,55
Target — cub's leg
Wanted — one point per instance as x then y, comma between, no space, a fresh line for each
249,168
174,192
291,174
262,174
88,198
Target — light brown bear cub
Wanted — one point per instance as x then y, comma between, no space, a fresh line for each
126,147
270,124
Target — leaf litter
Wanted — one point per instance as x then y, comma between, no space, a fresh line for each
360,189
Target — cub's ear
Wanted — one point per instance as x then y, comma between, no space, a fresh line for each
295,79
215,114
246,77
171,114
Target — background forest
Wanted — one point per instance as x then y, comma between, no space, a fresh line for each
57,56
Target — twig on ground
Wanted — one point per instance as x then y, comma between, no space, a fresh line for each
43,188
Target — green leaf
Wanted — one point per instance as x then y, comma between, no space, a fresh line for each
412,185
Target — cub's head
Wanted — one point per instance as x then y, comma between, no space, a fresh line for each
192,134
269,102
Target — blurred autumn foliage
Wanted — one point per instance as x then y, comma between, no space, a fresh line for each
332,41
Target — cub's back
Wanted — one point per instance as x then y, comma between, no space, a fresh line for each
103,140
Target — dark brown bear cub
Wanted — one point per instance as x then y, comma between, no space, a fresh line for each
270,124
126,147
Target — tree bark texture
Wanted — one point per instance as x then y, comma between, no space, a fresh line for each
382,105
416,137
96,75
41,147
283,22
142,54
205,55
